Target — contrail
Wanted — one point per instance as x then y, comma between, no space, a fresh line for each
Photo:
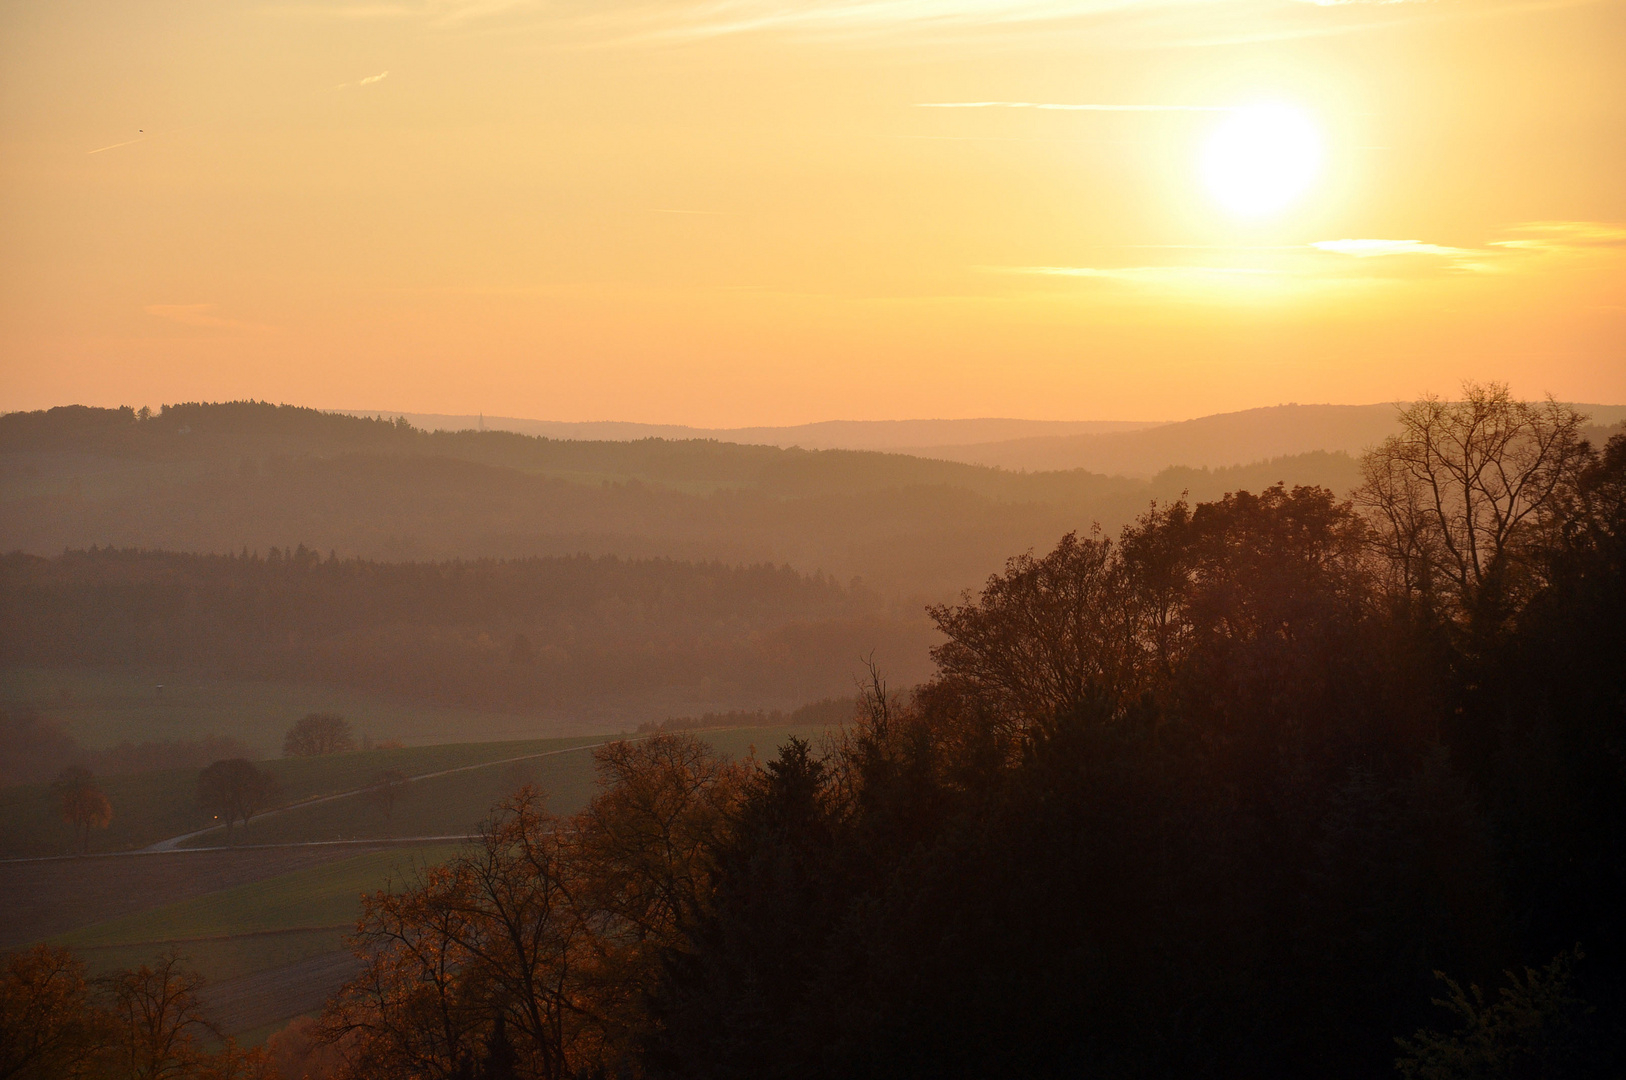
115,146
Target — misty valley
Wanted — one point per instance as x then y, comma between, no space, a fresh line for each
338,747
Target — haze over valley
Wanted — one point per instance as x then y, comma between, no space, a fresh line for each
801,539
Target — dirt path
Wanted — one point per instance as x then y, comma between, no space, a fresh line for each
174,843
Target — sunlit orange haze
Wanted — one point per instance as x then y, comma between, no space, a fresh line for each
727,212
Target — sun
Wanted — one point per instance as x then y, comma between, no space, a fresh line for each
1261,159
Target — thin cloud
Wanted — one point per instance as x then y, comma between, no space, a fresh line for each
1058,107
1479,261
866,16
1368,249
1359,262
634,23
368,81
1572,239
1564,235
1152,275
1166,22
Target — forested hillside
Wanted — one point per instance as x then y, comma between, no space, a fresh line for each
221,478
577,635
1275,785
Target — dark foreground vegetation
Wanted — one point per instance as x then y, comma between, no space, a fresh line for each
1240,793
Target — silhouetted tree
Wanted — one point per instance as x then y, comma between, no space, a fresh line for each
558,925
318,733
81,803
737,985
501,1062
1537,1027
1460,495
1046,633
235,789
386,789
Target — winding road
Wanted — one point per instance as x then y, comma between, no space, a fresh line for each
174,843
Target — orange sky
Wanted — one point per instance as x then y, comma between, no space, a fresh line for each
725,212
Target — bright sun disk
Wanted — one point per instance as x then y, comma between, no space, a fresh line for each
1261,158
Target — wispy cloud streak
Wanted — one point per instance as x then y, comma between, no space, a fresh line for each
368,81
1147,275
1564,235
115,146
1061,107
1367,249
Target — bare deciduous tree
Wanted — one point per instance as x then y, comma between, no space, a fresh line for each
555,926
318,733
1458,494
386,789
159,1021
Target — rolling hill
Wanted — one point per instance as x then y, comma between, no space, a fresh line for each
219,478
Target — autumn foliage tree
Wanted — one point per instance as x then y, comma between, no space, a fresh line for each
47,1025
546,930
81,803
142,1023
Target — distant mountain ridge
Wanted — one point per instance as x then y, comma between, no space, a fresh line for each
824,435
1137,449
1210,442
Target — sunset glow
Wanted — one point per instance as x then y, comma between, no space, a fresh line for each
777,211
1261,158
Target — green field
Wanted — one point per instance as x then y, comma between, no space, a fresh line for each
148,807
320,900
273,948
457,803
256,945
103,707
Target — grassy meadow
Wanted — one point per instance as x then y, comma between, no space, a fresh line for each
309,906
103,707
242,938
456,803
269,933
149,807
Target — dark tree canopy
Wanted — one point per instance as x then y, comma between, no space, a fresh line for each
235,789
81,803
318,733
